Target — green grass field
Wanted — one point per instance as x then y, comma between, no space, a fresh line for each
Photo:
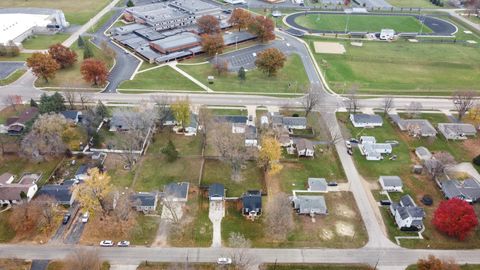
402,67
163,78
360,23
13,77
411,3
42,42
75,12
290,79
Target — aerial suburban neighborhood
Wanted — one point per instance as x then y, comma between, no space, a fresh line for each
239,134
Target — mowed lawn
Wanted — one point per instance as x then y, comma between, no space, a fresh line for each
292,78
43,42
412,3
159,79
75,12
360,23
402,68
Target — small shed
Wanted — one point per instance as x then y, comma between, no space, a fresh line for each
317,185
423,153
216,192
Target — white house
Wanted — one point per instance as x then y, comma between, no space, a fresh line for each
366,120
305,148
238,128
372,150
457,131
407,215
12,193
391,183
387,34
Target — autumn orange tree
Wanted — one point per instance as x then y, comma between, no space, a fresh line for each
240,18
270,61
263,28
269,155
94,71
434,263
208,24
43,65
64,56
212,44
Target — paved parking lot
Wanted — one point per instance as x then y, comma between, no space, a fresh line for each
7,68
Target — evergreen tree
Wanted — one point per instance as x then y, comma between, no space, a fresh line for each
242,74
33,103
476,160
130,3
53,103
80,42
87,51
101,110
170,151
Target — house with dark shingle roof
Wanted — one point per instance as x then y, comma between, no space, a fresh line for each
407,215
216,192
252,203
72,115
361,120
145,201
62,194
467,190
305,148
176,191
15,125
310,205
294,122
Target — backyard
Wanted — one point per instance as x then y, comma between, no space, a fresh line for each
360,23
413,68
74,13
291,79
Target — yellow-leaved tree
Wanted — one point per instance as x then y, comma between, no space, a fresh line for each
93,195
181,111
269,155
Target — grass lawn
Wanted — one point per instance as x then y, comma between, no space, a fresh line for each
196,229
71,77
216,171
6,232
101,21
412,3
230,111
21,57
290,79
60,265
12,77
185,145
43,42
74,12
17,166
295,174
341,228
413,68
360,23
14,264
314,267
163,78
462,267
145,230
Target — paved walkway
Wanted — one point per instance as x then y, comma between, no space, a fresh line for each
188,76
73,38
216,212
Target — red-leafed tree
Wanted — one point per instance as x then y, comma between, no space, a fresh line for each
94,71
240,18
346,3
208,24
63,55
212,44
455,217
270,61
263,28
43,65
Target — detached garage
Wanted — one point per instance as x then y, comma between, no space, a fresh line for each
391,183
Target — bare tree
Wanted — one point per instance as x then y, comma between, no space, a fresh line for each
24,217
352,102
414,130
242,257
387,104
437,165
231,148
47,206
310,100
279,217
84,100
71,97
463,101
414,109
173,209
335,135
13,101
83,259
162,109
205,120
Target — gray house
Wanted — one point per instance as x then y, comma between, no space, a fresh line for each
176,191
295,122
391,183
305,148
252,203
317,184
62,194
457,131
417,127
423,153
145,201
467,190
361,120
310,205
216,192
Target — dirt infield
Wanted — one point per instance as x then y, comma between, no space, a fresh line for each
329,47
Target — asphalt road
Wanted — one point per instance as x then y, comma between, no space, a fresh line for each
7,68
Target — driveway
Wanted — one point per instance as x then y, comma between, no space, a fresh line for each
172,212
216,212
39,264
59,234
7,68
74,234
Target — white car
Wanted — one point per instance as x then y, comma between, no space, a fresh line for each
123,243
106,243
85,217
224,261
348,144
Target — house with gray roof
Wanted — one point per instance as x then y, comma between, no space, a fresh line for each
177,192
372,150
145,201
391,183
62,194
407,215
423,153
317,184
457,131
294,122
305,148
216,192
251,136
15,193
467,190
310,205
72,115
252,203
361,120
417,127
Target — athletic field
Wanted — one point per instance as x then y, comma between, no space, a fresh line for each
361,23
